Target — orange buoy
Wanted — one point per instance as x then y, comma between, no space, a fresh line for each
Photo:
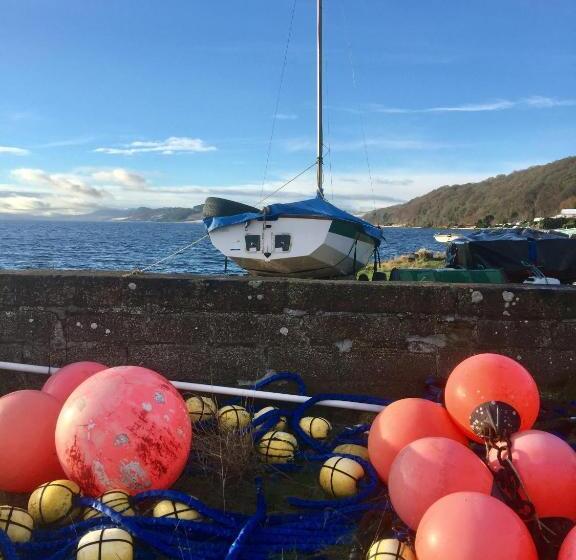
546,465
492,395
66,379
27,424
473,526
124,428
429,469
403,422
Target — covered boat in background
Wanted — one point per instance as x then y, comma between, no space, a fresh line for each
310,238
517,252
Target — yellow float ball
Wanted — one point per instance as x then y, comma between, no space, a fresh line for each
315,426
339,476
233,417
167,509
53,503
201,408
117,500
277,447
17,523
352,449
280,425
390,549
105,544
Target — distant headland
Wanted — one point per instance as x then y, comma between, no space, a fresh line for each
521,196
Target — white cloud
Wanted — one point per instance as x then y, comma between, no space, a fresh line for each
540,102
534,102
80,141
286,117
18,204
13,151
170,146
68,183
121,177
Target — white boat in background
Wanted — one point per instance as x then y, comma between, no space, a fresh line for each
568,232
446,237
310,238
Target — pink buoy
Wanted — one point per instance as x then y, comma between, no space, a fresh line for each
473,526
66,379
547,466
27,425
429,469
568,549
403,422
124,428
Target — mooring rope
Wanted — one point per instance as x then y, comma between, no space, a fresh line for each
142,270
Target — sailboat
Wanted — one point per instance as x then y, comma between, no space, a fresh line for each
307,239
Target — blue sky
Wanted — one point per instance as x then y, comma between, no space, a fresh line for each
141,102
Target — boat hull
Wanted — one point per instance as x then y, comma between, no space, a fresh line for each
304,247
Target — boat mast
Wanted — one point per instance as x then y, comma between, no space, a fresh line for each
320,160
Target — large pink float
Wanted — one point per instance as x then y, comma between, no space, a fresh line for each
62,383
124,427
429,469
403,422
27,424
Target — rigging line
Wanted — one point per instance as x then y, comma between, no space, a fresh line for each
141,270
362,124
286,184
275,118
329,137
331,175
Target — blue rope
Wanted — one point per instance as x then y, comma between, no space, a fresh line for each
317,525
236,548
6,547
283,376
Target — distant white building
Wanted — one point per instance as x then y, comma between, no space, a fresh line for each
568,213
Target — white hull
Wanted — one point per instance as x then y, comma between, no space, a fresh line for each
446,237
307,247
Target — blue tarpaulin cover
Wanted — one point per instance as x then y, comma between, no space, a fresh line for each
311,207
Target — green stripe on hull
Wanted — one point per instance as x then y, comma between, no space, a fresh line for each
347,229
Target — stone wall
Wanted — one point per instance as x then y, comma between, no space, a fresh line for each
382,338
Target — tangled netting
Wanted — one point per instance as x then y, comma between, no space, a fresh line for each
311,528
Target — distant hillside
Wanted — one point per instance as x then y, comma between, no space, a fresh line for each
141,214
542,190
144,214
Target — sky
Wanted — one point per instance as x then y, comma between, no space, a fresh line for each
120,104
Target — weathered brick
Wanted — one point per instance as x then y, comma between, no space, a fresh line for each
25,324
170,328
108,354
382,338
163,358
563,334
492,334
242,329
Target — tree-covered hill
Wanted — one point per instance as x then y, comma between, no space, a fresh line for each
542,190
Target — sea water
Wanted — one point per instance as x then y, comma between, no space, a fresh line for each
129,245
